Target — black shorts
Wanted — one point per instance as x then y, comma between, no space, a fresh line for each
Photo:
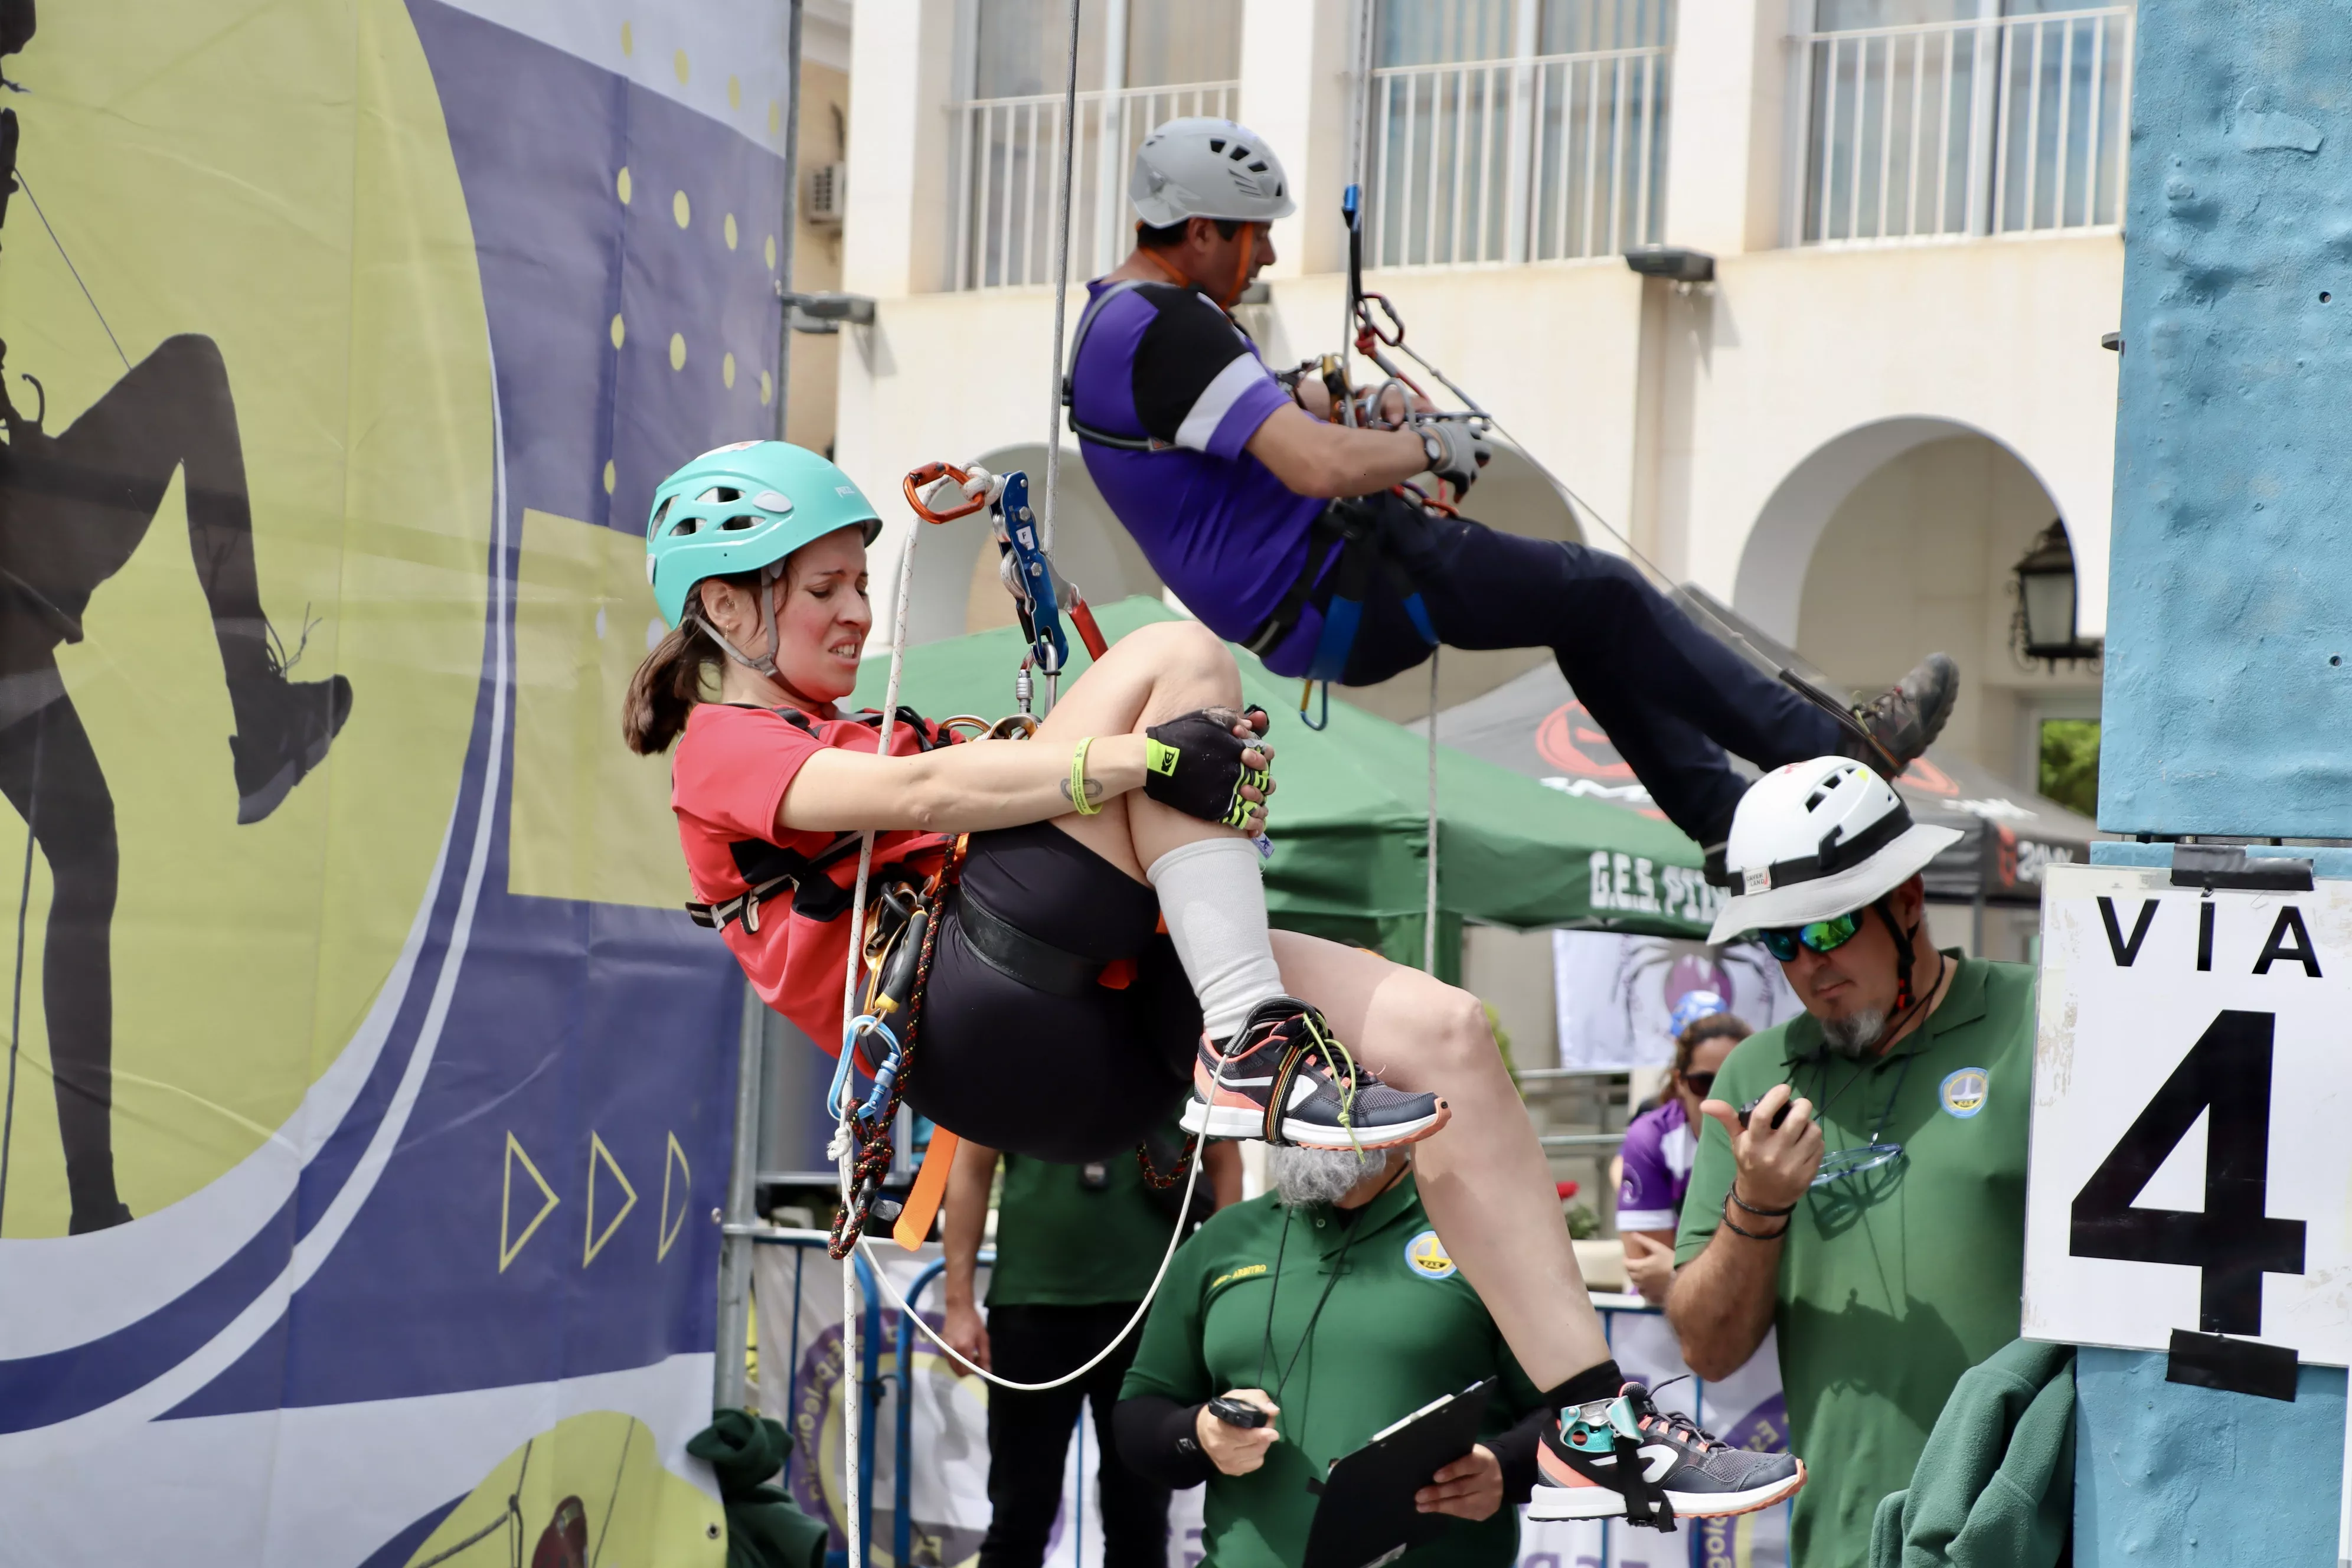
1067,1079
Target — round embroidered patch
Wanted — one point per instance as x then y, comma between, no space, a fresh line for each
1963,1092
1426,1256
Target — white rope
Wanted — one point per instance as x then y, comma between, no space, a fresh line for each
1360,107
1061,293
844,1140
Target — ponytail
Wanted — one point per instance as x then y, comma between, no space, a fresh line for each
665,688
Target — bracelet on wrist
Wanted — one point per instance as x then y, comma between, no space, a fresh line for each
1763,1213
1079,784
1738,1229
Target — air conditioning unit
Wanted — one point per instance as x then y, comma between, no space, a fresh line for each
828,193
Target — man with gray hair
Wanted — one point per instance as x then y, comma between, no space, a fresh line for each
1329,1304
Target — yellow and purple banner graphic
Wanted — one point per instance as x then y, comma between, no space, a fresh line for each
367,1092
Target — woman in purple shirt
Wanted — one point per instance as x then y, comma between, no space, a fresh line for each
1662,1143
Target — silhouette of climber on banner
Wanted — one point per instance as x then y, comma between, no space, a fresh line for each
73,507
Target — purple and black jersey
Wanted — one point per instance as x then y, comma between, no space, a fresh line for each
1659,1151
1227,537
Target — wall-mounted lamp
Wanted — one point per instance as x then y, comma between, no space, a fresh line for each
2046,601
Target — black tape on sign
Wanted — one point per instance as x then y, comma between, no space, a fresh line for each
2233,1366
2210,866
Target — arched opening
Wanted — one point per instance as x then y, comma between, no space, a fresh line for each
1900,538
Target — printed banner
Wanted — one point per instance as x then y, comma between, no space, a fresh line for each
368,1096
1616,992
802,1383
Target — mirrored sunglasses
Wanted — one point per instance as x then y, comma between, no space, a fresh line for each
1821,936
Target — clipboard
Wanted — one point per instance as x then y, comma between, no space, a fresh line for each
1366,1516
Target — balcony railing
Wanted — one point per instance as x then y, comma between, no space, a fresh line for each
1539,159
1008,156
2008,125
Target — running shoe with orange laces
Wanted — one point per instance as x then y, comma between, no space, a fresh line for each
1284,1078
1625,1458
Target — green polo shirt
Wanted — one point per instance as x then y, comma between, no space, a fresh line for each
1894,1281
1061,1242
1400,1328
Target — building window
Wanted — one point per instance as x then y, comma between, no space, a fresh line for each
1926,118
1502,134
1140,62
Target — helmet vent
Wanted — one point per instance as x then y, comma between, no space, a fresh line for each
1217,145
736,524
686,525
662,510
719,495
1239,153
1258,167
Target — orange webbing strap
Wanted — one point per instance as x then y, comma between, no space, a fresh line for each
930,1190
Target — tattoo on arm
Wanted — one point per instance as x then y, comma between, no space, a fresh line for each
1094,790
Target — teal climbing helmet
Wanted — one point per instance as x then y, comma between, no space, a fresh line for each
742,507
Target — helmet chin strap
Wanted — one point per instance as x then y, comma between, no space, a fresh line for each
766,663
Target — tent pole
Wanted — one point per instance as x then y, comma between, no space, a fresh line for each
1429,896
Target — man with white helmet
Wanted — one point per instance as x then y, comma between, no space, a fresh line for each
1299,536
1861,1177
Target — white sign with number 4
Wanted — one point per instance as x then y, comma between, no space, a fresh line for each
2192,1115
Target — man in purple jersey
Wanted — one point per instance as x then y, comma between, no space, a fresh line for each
1286,531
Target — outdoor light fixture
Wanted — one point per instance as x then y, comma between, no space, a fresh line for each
824,313
1672,263
2046,599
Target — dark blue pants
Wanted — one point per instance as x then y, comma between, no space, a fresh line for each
1672,698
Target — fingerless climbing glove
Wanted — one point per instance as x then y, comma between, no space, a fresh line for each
1193,762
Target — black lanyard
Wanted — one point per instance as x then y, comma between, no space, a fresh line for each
1273,1291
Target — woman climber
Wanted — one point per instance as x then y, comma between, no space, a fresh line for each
1057,1021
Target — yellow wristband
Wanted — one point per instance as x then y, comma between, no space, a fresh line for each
1078,780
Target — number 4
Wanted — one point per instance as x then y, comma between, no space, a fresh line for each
2233,1242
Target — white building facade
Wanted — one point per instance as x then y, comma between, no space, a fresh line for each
1895,382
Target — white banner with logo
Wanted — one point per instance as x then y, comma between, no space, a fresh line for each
1615,992
799,1298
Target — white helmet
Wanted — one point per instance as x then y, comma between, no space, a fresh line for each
1815,840
1207,168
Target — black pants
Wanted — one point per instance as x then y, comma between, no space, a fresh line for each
1120,1059
1672,698
1029,1438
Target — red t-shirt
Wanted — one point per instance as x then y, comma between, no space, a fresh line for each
732,767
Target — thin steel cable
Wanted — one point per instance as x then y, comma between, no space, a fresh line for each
67,258
1061,295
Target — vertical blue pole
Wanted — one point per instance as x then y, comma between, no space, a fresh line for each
2226,687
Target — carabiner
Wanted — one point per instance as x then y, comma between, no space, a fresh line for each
930,474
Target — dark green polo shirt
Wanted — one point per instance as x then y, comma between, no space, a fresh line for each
1062,1243
1400,1328
1896,1280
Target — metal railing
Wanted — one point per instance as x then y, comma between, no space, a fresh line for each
1539,159
1008,154
2006,125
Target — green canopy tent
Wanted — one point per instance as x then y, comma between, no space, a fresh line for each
1349,818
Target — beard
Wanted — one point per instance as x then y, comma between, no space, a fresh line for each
1304,1176
1857,1035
